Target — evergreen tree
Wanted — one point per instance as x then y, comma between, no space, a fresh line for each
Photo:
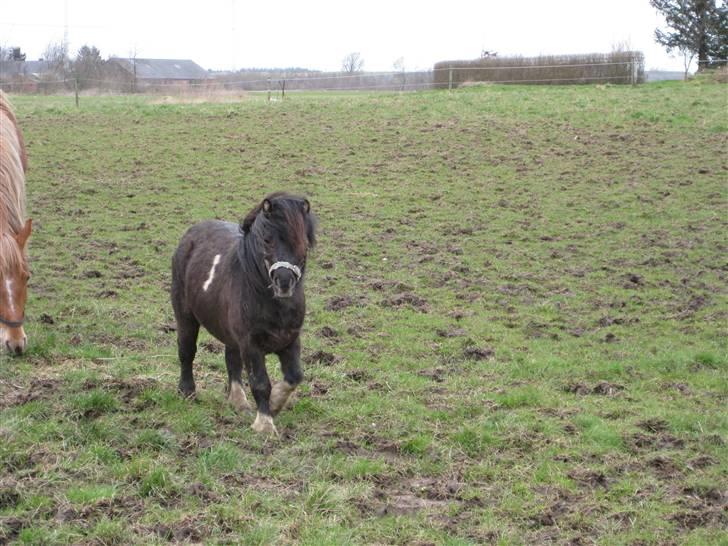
696,27
88,66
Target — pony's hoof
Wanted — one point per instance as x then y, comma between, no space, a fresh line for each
187,391
236,396
264,424
279,396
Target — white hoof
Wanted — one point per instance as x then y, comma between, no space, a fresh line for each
236,396
279,396
264,424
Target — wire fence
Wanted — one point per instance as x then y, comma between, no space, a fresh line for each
619,67
572,70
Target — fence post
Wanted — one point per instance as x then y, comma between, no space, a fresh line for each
634,73
268,89
75,86
449,84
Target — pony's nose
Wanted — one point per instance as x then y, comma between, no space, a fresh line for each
284,281
17,347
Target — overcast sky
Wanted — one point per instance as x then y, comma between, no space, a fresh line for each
317,34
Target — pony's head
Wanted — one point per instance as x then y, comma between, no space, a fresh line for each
14,275
286,228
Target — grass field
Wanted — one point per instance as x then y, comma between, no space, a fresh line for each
515,333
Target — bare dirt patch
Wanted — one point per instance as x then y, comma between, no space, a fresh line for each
693,519
213,346
436,374
451,332
358,375
328,332
9,496
406,299
478,353
10,527
321,357
338,303
603,388
639,441
39,389
653,425
590,478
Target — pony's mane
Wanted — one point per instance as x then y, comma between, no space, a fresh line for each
12,257
13,162
12,170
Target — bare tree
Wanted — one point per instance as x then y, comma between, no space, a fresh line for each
133,59
56,55
352,63
399,66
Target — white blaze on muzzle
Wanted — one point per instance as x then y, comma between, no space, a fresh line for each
285,265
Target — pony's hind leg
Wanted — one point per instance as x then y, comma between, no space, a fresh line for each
187,330
235,391
290,359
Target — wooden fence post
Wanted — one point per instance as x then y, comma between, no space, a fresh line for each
449,84
75,86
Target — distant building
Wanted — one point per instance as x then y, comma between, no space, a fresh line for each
25,76
156,72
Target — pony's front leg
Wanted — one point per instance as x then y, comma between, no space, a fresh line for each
235,392
290,358
260,385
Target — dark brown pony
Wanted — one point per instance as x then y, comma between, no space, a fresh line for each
14,231
244,284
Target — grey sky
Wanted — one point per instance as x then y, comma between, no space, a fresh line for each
317,34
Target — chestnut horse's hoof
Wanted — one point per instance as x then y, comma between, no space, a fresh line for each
264,424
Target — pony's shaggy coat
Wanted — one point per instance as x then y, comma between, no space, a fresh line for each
224,279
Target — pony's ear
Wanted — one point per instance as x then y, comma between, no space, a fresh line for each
267,206
22,236
311,225
306,206
247,222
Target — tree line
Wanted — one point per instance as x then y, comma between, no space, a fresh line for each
86,67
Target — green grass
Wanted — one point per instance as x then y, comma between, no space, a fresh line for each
533,349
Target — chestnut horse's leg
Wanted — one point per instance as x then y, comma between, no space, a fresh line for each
187,330
260,385
290,358
235,392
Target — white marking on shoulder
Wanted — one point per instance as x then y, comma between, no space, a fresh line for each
215,261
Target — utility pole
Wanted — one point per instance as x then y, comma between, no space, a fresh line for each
232,35
65,25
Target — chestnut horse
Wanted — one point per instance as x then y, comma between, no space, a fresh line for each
244,284
14,231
